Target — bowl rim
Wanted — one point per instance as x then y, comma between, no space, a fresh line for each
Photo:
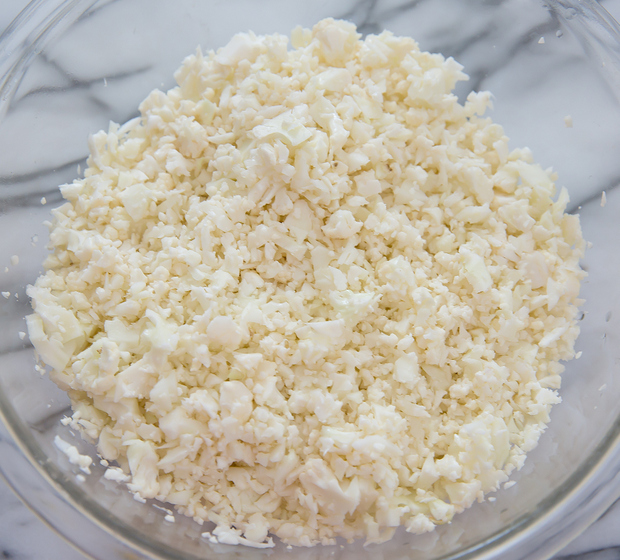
548,525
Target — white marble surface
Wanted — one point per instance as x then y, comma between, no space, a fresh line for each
23,536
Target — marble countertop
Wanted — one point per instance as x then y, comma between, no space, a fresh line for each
24,537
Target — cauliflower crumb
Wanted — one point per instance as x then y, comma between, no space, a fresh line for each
15,260
74,456
308,294
568,121
115,474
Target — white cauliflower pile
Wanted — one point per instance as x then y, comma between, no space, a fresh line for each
308,294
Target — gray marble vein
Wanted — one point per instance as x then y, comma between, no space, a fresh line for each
501,54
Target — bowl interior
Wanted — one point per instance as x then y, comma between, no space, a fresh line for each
109,58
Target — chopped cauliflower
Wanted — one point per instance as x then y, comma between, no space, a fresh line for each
308,294
75,457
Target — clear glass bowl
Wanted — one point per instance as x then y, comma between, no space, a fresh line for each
67,67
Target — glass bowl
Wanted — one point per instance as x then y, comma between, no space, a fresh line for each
68,67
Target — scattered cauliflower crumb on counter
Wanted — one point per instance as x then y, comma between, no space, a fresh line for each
307,294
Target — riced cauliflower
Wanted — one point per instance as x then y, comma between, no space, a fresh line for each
308,294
